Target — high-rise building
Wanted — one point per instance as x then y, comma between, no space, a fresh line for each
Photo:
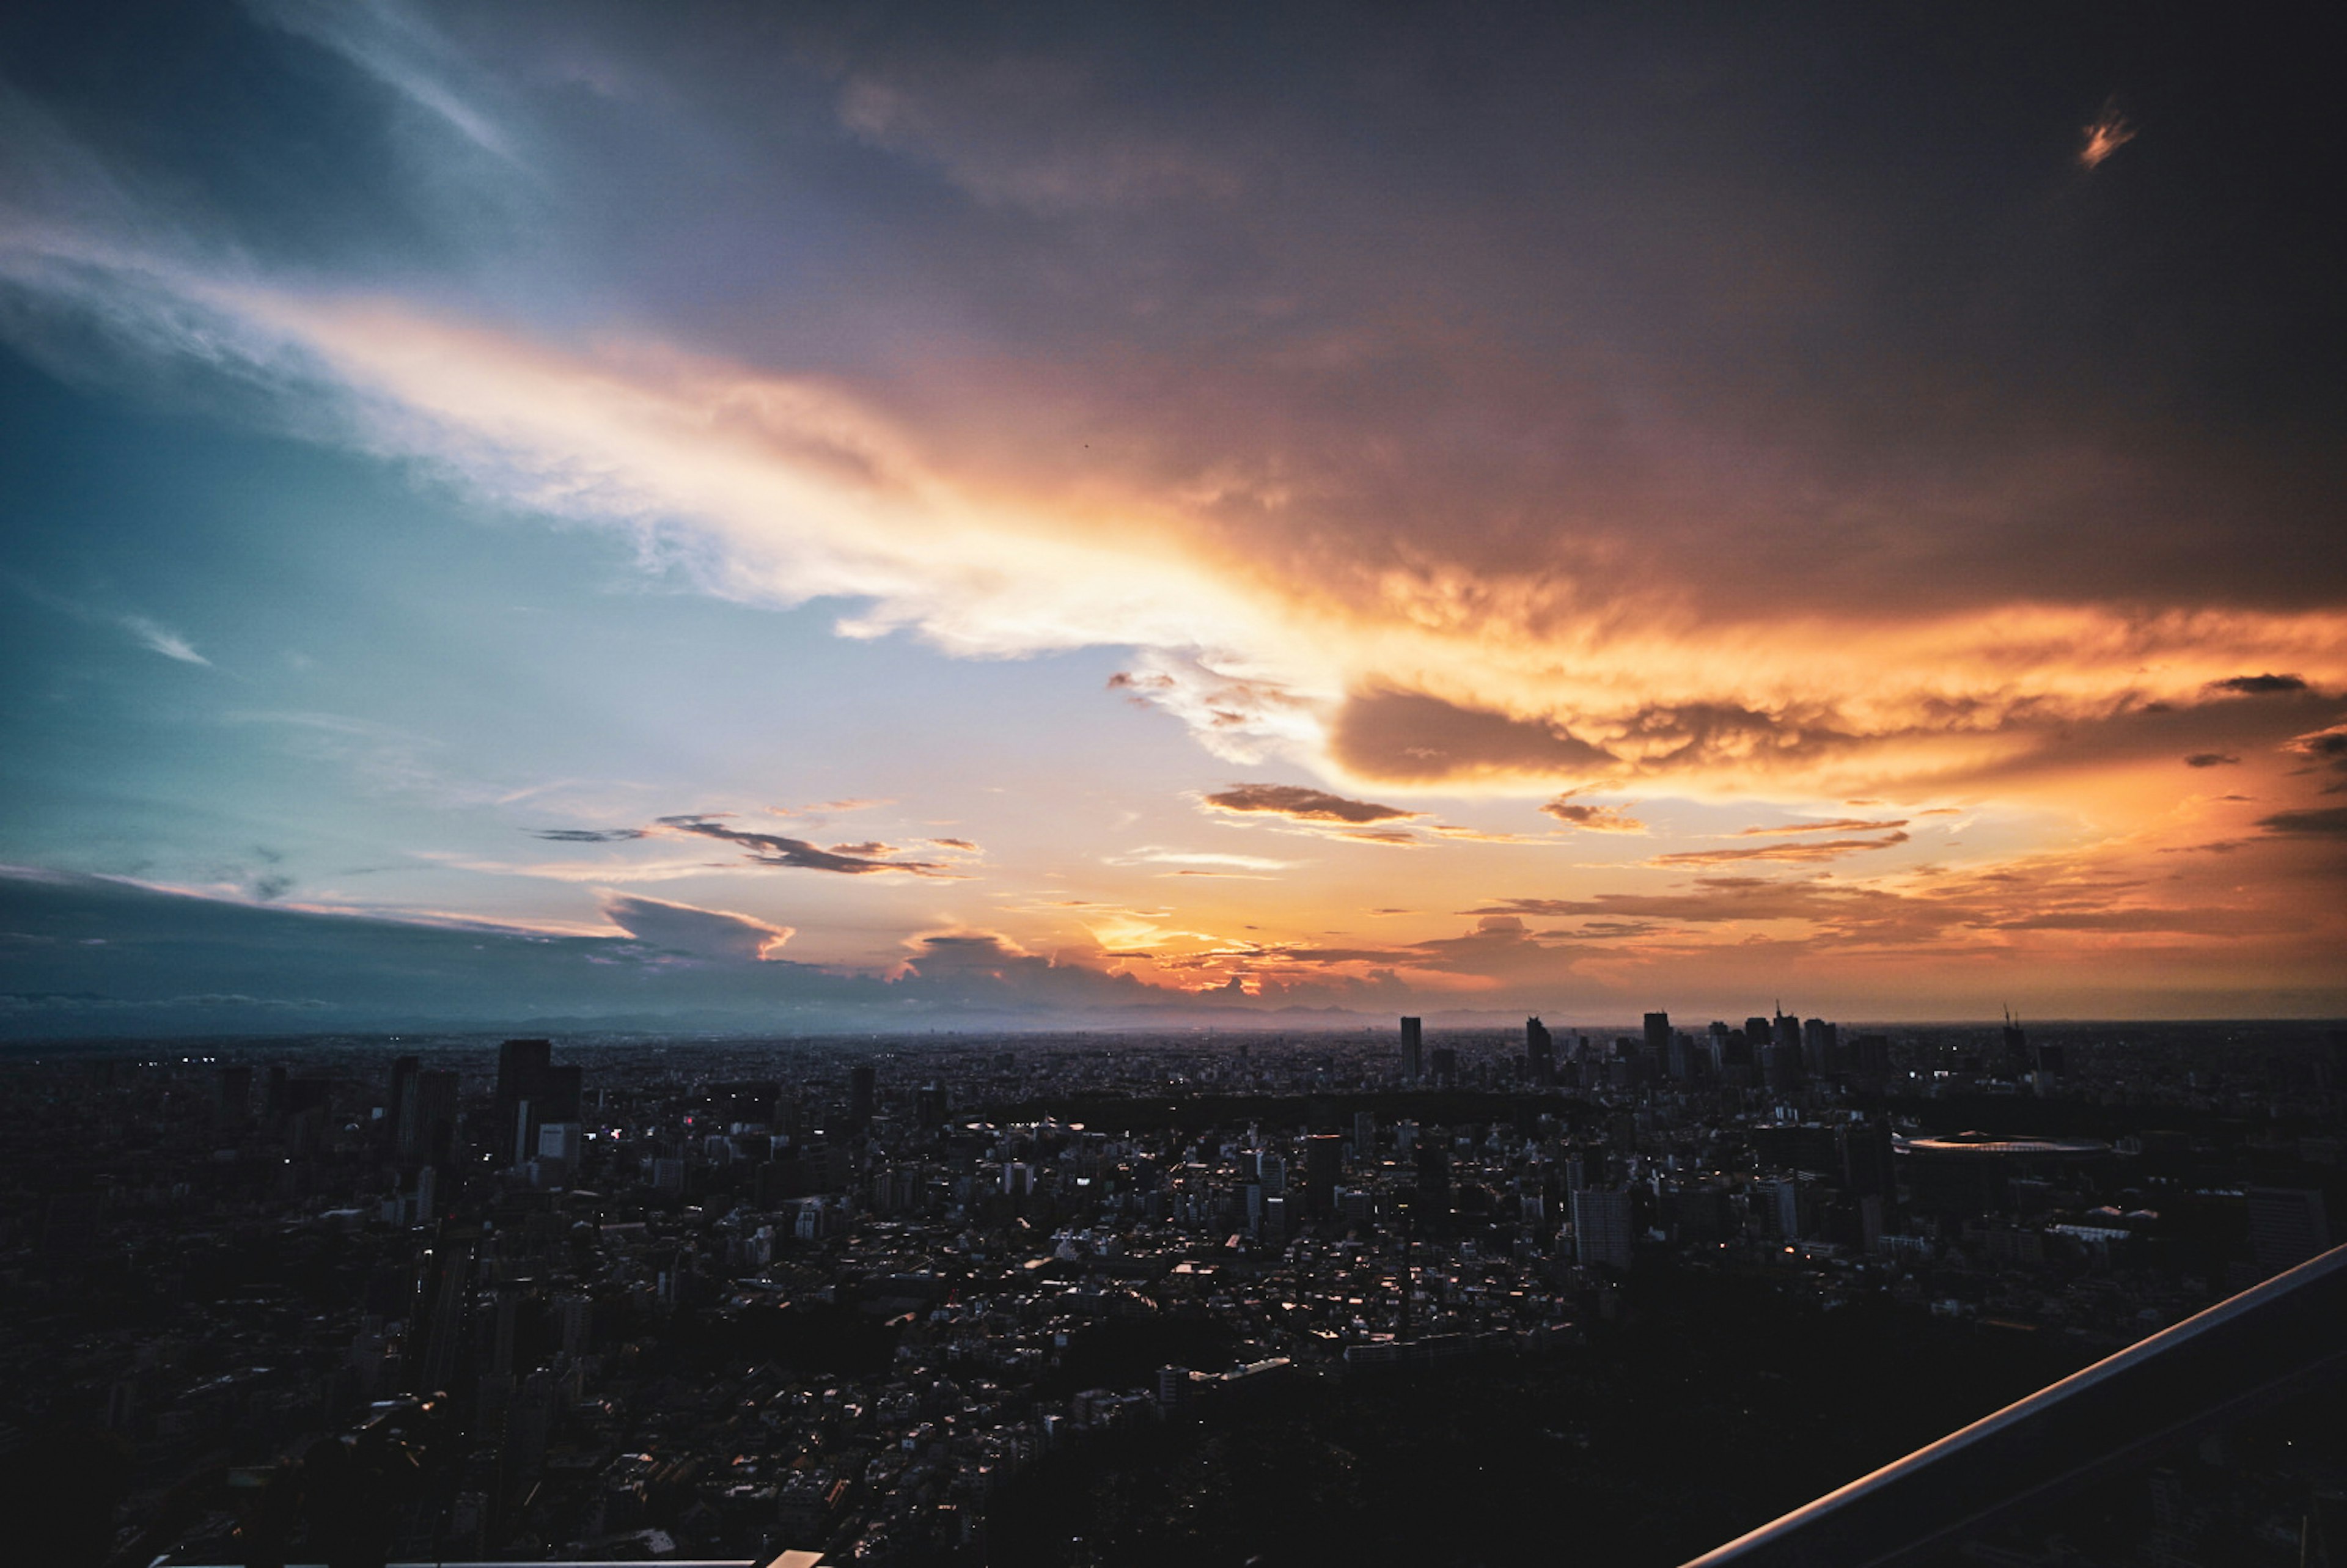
863,1084
404,1073
1602,1235
521,1071
929,1107
1658,1041
232,1104
560,1091
1433,1183
2287,1226
1540,1051
1445,1066
1413,1050
1323,1164
1865,1150
427,1120
2014,1062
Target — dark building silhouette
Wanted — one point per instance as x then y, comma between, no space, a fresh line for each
1324,1155
1413,1050
929,1107
1601,1221
1540,1051
1820,1048
521,1071
863,1084
1433,1183
404,1073
427,1120
2014,1062
2287,1226
233,1100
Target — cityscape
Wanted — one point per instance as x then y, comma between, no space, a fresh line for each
1080,1298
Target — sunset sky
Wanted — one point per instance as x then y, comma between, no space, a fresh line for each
813,517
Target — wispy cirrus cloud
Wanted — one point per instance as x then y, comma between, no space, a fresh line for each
2107,134
1795,852
156,636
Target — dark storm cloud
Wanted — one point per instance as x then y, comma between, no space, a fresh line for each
588,835
2259,686
1306,805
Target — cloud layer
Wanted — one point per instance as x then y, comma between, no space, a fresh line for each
1837,469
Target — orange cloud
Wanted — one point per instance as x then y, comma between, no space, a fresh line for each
2109,133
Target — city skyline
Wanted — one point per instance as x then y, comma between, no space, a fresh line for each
584,514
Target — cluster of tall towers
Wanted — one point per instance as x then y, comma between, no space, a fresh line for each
1778,1052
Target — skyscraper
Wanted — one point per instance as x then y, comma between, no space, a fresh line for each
1540,1051
427,1120
862,1090
521,1071
1601,1228
404,1073
1413,1050
1323,1164
2287,1226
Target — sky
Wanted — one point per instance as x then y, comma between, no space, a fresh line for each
835,516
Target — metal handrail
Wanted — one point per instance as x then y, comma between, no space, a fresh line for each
2247,1352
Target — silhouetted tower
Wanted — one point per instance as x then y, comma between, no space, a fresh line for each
863,1084
1540,1050
428,1120
233,1106
1322,1164
404,1073
521,1075
1433,1184
1413,1050
1659,1040
2015,1061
